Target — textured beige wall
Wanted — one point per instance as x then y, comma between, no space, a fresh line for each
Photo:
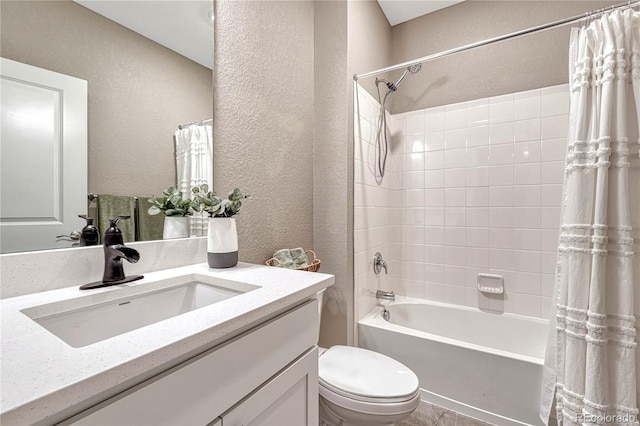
263,120
139,91
528,62
331,215
370,44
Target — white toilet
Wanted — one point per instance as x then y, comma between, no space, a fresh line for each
359,387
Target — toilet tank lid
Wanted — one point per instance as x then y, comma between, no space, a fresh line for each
366,373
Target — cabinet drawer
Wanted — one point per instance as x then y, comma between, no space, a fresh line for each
197,391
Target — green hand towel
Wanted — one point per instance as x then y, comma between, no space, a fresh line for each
150,227
284,256
299,257
110,206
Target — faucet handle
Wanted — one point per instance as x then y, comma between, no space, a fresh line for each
379,263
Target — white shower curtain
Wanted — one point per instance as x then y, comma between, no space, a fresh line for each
194,165
592,355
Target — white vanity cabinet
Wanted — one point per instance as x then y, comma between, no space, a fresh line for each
267,375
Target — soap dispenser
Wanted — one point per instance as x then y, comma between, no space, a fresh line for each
89,235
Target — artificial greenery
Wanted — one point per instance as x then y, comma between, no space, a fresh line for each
209,202
171,204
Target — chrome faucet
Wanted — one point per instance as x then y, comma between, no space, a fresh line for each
379,263
385,295
114,252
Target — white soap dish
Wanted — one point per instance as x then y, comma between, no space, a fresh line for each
489,283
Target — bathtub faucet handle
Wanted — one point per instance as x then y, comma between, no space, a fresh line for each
379,263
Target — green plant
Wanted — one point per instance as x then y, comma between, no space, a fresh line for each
209,202
171,204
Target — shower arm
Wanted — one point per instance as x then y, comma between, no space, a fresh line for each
560,23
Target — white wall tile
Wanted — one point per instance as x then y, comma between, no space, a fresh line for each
434,216
527,174
501,154
477,112
413,143
527,304
501,133
434,179
455,197
471,187
434,141
415,123
434,197
554,127
454,236
527,107
477,216
455,158
553,149
501,175
501,110
527,217
477,196
501,196
478,156
434,254
456,138
455,178
454,118
526,152
527,239
434,160
477,176
555,103
477,257
501,217
527,130
455,216
477,136
551,195
477,237
501,238
552,172
434,235
527,196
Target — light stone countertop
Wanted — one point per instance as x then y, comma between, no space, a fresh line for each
44,380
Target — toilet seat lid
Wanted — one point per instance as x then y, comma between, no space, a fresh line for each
366,374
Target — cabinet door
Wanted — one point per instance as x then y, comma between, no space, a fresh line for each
288,399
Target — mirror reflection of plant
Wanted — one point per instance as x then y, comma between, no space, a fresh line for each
171,204
209,202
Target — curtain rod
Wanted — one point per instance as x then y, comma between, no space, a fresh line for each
548,26
182,126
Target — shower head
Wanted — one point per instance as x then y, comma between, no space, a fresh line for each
413,69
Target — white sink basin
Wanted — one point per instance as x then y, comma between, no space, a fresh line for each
130,308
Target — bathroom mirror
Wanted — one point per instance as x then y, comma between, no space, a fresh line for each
140,89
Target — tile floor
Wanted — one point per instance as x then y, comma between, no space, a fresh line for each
434,415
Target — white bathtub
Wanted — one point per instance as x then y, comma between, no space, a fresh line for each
484,365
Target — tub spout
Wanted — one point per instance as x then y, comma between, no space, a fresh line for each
386,295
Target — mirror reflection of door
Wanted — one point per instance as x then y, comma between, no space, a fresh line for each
43,156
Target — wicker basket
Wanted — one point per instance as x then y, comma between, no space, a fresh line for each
312,267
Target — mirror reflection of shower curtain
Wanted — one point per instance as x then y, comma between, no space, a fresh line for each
194,165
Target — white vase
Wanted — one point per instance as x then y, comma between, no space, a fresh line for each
175,227
222,242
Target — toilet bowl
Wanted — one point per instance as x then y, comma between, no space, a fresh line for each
359,387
